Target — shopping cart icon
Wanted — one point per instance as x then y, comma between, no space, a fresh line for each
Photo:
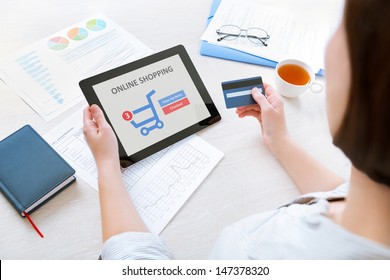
154,120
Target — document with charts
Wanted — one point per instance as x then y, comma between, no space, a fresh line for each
46,74
159,185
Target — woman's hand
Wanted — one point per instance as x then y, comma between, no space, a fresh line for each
307,172
118,213
270,114
100,136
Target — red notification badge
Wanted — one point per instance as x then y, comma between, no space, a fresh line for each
127,115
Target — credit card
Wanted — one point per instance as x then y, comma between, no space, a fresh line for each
238,92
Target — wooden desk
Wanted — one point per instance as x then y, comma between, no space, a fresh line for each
248,180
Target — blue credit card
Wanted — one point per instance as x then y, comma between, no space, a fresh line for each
238,92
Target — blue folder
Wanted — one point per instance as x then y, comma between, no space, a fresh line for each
232,54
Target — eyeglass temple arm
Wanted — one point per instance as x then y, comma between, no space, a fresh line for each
221,38
227,35
222,33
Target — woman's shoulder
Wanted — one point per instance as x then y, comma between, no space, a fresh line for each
296,230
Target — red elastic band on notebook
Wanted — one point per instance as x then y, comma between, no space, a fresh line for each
33,225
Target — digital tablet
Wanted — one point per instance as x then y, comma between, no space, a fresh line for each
152,103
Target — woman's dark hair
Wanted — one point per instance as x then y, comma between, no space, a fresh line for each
364,132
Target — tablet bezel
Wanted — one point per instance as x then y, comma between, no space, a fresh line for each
86,86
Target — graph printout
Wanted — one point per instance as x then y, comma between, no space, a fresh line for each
46,74
159,185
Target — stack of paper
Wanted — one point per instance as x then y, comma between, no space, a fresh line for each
298,29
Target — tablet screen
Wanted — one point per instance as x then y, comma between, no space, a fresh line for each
151,103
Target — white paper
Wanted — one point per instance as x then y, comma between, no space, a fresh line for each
46,74
298,29
159,185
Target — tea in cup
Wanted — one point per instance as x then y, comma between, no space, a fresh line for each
293,77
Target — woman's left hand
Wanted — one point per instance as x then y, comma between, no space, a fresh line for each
100,136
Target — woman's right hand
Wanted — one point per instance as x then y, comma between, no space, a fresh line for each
269,111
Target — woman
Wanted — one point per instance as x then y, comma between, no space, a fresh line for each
324,223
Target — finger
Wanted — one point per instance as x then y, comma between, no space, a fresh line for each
275,99
87,118
269,89
255,107
86,115
89,126
98,116
249,114
260,99
246,106
244,112
249,107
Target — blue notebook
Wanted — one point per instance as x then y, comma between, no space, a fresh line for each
31,171
232,54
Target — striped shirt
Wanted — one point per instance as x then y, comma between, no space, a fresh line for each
297,230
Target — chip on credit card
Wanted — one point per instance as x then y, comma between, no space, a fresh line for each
238,92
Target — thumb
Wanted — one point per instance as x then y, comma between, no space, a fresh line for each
98,116
260,98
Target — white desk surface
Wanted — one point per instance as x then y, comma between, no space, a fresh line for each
247,181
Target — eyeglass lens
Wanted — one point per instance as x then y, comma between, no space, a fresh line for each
229,32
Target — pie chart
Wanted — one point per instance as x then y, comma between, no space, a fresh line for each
78,34
58,43
96,24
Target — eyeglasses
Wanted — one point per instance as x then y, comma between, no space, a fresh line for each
231,32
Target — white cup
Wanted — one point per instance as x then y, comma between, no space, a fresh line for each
290,90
